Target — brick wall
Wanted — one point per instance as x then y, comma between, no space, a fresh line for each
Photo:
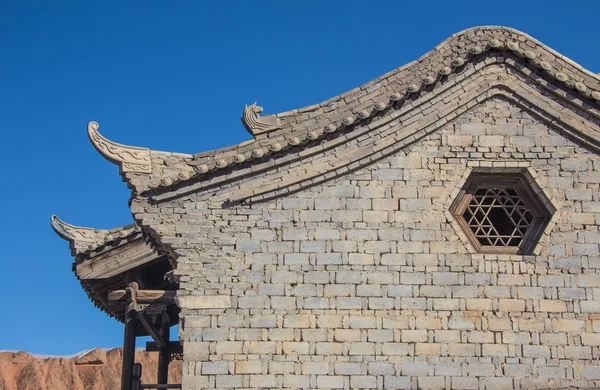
365,282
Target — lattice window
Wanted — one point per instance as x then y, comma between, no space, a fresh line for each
500,213
498,217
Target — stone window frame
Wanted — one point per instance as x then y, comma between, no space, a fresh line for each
522,168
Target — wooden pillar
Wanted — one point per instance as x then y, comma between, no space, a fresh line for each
165,354
129,339
137,377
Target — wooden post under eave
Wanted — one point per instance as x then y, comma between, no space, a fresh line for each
165,354
129,339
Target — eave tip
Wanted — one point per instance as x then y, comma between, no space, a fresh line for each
129,158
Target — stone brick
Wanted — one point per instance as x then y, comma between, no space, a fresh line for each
568,325
380,335
395,349
361,349
330,381
263,381
511,305
465,383
536,351
295,348
457,349
283,302
381,368
430,382
478,336
349,303
314,368
498,383
396,382
214,368
522,370
479,304
362,322
229,347
414,336
414,368
296,381
447,369
494,350
248,367
347,335
552,306
329,321
363,382
347,368
361,258
224,381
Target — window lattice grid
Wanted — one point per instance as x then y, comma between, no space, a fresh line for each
498,217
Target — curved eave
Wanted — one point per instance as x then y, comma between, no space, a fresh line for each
130,159
146,170
301,127
102,258
85,241
97,290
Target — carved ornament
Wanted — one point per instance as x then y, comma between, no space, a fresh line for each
71,232
255,124
129,158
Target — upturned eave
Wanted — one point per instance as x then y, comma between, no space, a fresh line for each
305,128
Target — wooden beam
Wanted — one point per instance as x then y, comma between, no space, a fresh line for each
144,296
174,347
117,260
165,354
152,331
129,338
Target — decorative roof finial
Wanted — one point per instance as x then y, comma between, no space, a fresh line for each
255,124
84,239
80,238
71,232
129,158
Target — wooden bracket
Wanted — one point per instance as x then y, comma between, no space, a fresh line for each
143,296
149,325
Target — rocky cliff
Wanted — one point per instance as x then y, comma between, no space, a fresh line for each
95,370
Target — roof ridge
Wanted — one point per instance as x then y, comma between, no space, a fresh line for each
293,128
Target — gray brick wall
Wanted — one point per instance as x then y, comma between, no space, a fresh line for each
364,282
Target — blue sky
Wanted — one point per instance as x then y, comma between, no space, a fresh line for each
175,76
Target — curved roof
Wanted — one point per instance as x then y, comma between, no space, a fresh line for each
368,109
104,257
85,242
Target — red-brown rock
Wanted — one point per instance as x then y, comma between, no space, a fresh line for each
96,370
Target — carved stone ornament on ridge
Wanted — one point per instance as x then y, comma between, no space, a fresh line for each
129,158
79,237
255,124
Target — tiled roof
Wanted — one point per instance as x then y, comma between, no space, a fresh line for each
370,105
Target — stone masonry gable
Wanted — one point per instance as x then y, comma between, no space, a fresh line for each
374,105
363,281
497,134
324,253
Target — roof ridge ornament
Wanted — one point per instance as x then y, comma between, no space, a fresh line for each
130,158
83,239
80,238
73,233
255,124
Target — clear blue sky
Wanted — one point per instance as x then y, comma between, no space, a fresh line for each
175,76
